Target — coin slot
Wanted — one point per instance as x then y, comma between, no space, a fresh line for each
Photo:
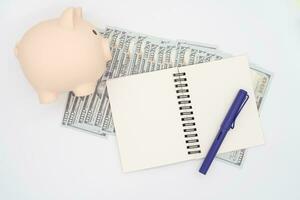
95,32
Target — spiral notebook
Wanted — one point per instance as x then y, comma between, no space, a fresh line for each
173,115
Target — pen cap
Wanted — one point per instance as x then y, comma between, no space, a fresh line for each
234,110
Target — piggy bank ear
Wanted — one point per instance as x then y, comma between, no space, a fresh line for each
67,19
78,13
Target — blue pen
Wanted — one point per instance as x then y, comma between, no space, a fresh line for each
236,107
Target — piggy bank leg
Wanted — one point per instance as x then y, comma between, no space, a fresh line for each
46,96
85,89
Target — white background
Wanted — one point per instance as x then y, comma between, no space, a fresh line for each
40,159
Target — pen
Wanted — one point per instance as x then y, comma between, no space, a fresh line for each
228,122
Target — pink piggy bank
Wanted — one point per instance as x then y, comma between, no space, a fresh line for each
63,54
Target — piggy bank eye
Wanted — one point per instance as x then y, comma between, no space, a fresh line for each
95,32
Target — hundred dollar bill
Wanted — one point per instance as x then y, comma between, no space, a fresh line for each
76,107
120,67
85,106
98,101
81,124
261,81
89,112
189,54
67,112
79,110
94,110
147,55
134,53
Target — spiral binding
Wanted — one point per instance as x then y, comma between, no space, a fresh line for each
186,113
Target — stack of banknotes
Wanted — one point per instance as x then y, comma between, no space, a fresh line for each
134,53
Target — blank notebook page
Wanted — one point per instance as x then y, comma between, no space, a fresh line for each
148,119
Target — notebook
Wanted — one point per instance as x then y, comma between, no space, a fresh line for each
173,115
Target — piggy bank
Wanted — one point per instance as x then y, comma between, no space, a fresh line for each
63,54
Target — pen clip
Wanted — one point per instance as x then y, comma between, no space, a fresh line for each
245,101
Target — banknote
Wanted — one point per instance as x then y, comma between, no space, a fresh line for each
261,82
189,54
150,54
75,112
147,55
80,110
83,114
91,111
134,53
93,117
